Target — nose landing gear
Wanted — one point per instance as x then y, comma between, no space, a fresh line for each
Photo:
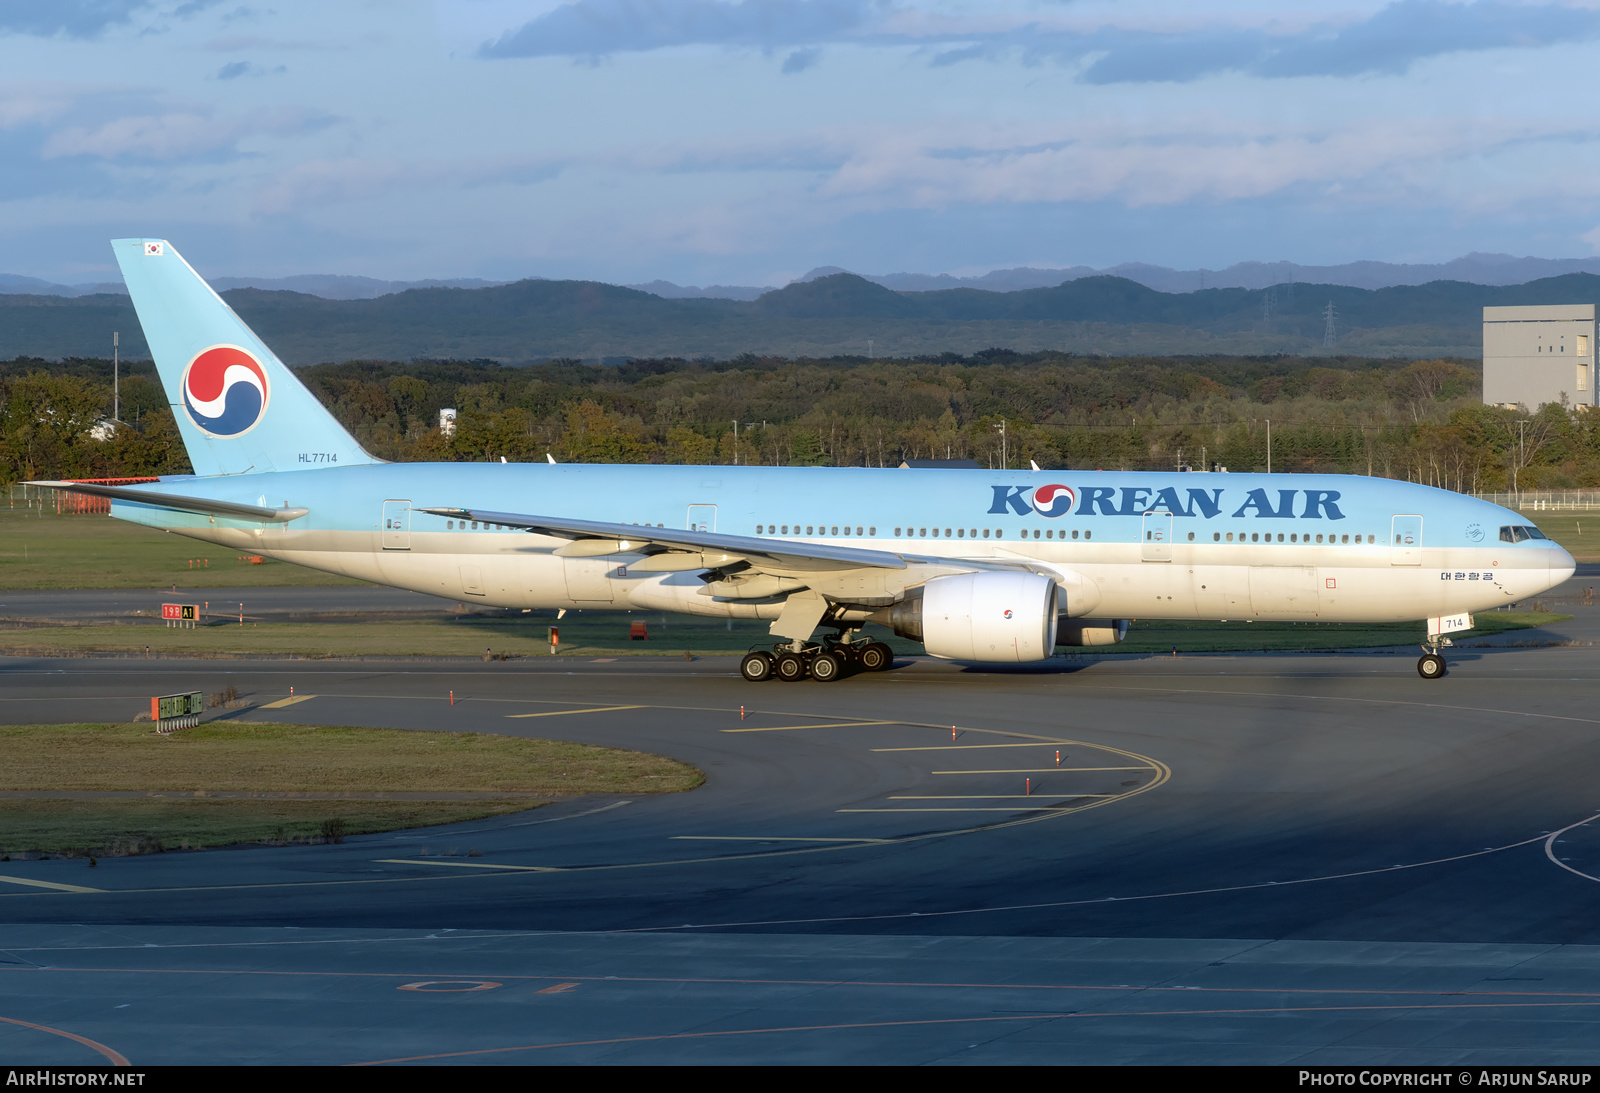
1431,665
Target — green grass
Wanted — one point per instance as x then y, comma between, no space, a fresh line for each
466,635
39,549
267,758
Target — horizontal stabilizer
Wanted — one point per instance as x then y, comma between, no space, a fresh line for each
205,506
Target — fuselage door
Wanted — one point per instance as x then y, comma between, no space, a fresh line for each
1405,541
1156,545
702,518
397,525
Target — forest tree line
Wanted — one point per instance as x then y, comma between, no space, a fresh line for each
1422,421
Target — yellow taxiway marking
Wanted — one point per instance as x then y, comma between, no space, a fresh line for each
969,747
282,702
592,709
824,725
1034,770
998,796
467,864
30,882
774,839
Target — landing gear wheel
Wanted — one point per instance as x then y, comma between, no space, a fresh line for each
876,657
825,667
756,666
1431,666
789,667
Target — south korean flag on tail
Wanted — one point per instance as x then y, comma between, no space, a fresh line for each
152,250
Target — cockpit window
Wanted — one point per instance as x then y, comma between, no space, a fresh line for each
1516,533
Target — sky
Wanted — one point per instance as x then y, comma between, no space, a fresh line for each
744,142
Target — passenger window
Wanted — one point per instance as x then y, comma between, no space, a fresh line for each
1216,536
872,531
1088,534
923,532
1191,536
1230,536
985,533
474,525
897,533
947,533
808,529
449,525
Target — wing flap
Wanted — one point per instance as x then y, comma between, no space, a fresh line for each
771,555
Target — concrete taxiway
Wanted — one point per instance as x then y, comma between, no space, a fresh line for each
1291,859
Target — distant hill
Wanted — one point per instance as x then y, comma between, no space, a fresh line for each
838,314
1475,268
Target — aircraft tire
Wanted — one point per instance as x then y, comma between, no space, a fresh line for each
1432,666
876,657
757,667
826,667
789,668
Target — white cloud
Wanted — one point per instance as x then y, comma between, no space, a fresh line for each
176,135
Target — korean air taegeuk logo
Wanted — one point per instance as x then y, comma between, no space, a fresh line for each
1052,500
225,391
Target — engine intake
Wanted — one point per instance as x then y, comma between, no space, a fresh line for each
995,617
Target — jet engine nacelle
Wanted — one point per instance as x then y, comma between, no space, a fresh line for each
1091,631
1007,617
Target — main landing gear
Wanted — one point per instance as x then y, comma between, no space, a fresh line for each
823,661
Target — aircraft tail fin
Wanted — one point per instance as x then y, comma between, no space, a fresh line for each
239,409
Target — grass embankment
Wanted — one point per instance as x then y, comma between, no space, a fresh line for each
489,775
39,549
595,634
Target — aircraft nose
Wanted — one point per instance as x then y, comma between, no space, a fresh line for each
1562,565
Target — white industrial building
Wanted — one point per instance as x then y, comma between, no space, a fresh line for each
1535,355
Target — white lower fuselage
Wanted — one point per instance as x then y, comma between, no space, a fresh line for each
1308,582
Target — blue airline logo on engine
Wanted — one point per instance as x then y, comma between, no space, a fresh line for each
1056,500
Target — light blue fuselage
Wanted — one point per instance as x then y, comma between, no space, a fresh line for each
1153,545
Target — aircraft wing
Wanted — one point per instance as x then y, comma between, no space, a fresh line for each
774,555
205,506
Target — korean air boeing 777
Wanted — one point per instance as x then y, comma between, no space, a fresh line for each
999,566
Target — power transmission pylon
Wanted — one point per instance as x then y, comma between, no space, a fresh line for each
1329,338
